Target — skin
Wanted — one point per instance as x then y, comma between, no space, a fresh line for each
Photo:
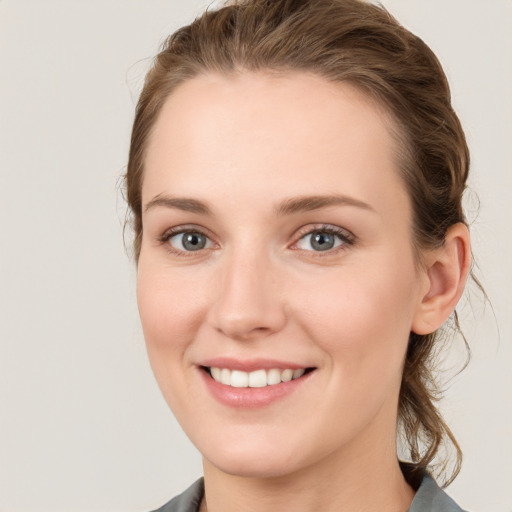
243,146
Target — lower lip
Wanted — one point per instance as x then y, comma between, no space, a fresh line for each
250,398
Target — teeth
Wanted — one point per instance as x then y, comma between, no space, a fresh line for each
239,379
256,379
225,376
286,375
273,377
216,372
298,373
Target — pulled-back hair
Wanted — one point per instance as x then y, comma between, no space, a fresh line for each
342,41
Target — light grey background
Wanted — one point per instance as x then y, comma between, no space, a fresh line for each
82,424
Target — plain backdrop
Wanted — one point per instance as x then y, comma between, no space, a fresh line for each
82,424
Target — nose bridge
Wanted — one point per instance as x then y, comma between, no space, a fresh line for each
249,302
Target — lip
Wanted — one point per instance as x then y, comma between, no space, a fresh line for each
250,365
251,398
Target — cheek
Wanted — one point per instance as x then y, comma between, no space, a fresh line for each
169,299
361,318
171,310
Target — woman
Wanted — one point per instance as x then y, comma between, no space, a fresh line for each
295,178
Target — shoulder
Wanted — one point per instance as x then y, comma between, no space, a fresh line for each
431,498
187,501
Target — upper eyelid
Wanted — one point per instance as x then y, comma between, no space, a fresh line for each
165,237
164,240
186,228
331,228
304,230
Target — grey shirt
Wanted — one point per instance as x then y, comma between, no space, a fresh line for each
429,498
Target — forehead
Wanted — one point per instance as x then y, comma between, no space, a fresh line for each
272,131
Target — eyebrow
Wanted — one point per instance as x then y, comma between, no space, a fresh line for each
286,207
309,203
179,203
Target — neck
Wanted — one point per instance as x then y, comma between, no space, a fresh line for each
339,482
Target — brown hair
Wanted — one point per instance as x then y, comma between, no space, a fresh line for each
340,40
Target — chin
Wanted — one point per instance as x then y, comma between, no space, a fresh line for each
253,462
253,468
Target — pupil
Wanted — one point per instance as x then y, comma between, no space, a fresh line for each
193,241
322,241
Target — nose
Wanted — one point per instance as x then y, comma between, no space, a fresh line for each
249,304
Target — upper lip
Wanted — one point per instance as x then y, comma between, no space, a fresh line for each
250,365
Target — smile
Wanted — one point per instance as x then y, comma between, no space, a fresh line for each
255,379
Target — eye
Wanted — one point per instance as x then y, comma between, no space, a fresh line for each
189,241
323,239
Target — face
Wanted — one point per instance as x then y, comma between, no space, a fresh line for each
277,285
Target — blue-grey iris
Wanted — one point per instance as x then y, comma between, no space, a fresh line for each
322,241
193,241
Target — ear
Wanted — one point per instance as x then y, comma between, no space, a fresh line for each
446,270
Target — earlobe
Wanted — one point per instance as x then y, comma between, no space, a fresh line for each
446,272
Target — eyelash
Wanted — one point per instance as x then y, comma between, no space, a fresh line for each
346,237
165,238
